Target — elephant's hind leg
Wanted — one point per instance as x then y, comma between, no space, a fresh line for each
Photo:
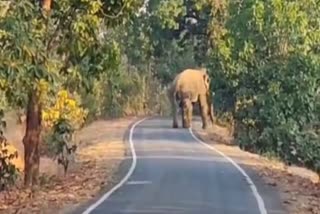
175,111
175,118
187,113
174,107
204,111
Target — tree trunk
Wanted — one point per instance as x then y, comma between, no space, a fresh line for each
46,5
31,141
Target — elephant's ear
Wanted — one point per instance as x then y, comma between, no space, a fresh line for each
206,80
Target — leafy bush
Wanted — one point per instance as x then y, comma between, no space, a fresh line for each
265,67
60,142
125,92
60,121
64,107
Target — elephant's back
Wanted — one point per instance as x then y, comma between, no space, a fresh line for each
191,80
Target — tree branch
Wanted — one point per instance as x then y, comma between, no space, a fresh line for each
113,16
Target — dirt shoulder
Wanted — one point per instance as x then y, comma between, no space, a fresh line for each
299,192
101,151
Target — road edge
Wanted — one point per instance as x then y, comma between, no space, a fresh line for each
106,195
119,175
254,189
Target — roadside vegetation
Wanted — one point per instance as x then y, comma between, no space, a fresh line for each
65,64
263,58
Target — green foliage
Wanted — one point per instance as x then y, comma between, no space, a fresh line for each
263,57
265,64
62,46
168,12
78,47
8,171
125,92
3,101
3,124
174,60
120,12
68,47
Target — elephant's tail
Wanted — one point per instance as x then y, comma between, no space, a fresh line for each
211,110
176,99
173,98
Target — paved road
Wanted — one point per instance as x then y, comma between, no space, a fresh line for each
176,174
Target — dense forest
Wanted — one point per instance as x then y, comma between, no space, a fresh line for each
66,63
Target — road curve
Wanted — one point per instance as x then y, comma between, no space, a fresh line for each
173,173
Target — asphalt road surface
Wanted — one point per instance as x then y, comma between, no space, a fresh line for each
172,172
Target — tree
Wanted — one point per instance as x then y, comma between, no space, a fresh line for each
40,50
265,58
169,33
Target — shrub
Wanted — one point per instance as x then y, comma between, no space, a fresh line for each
64,107
265,65
8,171
60,121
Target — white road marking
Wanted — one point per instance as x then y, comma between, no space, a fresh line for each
181,157
124,180
138,182
254,189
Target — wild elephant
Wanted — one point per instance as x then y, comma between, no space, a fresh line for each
189,87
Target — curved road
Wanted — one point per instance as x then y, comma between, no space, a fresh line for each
175,173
